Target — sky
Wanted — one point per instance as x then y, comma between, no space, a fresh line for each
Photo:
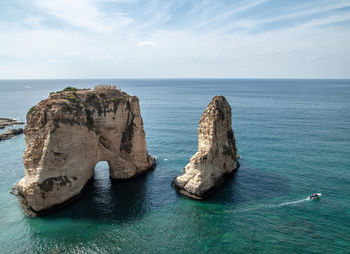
174,39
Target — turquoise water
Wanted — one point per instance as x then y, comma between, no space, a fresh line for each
293,137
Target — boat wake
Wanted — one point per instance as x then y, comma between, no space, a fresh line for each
266,206
293,202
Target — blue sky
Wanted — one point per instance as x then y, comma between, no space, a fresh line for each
174,39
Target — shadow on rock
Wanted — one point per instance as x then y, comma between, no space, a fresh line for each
107,199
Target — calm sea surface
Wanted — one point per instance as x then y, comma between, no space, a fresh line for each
294,140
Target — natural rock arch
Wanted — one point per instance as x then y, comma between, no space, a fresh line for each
69,133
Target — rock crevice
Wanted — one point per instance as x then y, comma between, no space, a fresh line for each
217,153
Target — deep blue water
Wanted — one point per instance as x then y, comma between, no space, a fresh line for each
293,137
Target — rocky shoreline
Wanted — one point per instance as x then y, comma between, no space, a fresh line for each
4,122
10,133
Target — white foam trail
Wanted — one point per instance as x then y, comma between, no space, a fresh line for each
292,202
165,159
29,87
262,206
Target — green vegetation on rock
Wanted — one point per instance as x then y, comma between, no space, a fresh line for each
70,88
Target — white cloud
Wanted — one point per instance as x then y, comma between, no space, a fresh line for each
83,14
73,53
101,45
221,16
102,57
308,9
147,44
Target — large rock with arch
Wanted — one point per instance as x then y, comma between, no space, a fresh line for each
69,133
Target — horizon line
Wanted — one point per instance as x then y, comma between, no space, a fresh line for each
179,78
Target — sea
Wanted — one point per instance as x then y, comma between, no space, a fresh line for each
293,137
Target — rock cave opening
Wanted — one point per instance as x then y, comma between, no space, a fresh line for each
101,171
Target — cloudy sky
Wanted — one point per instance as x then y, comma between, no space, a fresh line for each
174,39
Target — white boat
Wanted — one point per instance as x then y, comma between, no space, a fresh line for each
315,196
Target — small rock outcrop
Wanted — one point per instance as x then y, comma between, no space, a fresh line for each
69,133
8,122
10,133
217,153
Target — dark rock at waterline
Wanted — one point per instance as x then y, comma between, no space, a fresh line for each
10,133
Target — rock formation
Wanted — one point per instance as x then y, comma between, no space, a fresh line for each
8,122
69,133
217,153
10,133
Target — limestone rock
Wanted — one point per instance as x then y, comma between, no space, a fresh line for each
69,133
217,153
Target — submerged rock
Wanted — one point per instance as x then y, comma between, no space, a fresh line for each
217,153
69,133
10,133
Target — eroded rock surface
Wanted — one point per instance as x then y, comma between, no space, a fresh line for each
69,133
217,153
